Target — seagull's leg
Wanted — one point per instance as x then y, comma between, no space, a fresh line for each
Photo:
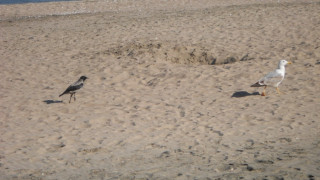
70,97
279,92
264,91
74,97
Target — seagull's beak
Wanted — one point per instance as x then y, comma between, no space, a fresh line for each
289,62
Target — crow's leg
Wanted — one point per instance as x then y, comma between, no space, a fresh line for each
70,97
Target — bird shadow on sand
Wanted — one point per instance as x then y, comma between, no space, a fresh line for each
52,101
240,94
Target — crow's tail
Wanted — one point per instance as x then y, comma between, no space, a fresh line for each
62,94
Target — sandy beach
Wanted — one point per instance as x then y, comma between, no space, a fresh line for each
168,94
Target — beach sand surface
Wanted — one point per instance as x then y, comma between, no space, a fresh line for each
168,94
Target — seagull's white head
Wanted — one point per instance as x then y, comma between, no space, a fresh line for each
283,62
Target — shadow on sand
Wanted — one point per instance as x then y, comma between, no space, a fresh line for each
240,94
51,101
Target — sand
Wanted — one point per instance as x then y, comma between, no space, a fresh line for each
168,94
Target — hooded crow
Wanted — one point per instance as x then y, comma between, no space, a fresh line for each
73,88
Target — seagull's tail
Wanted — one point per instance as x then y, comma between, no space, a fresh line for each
257,84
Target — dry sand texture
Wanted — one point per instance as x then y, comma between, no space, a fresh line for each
160,102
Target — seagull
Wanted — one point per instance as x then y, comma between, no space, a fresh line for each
273,78
73,88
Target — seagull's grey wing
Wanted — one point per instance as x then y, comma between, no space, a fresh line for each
272,78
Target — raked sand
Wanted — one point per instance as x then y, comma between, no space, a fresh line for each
168,94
